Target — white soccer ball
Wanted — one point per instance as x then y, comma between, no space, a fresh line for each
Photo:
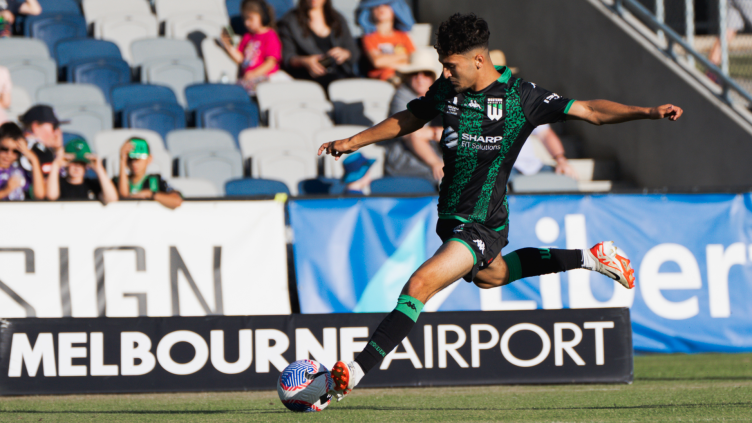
304,385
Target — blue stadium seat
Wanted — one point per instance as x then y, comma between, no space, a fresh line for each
139,94
104,73
251,187
402,185
200,95
231,117
67,51
321,186
158,117
60,6
54,27
68,136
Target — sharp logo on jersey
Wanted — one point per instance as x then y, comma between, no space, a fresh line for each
552,97
481,245
474,104
480,138
451,139
495,108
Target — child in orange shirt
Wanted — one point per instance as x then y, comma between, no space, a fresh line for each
387,48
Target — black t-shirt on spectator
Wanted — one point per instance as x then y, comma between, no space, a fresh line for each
90,189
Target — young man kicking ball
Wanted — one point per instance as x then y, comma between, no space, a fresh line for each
487,115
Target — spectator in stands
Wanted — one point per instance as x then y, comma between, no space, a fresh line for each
135,156
43,134
75,186
14,179
6,88
260,50
357,178
9,9
739,14
316,43
386,42
416,154
528,163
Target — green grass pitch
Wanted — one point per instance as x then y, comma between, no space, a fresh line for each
667,388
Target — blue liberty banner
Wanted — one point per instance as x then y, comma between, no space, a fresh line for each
692,256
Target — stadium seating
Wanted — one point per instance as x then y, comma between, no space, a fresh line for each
205,153
32,73
151,49
69,136
219,66
21,101
420,34
231,117
96,9
257,140
250,187
87,120
305,121
190,25
287,165
159,117
544,182
60,6
173,63
124,29
73,50
333,168
22,48
361,101
139,94
168,8
108,144
104,73
53,27
70,95
305,94
200,95
321,186
402,185
194,187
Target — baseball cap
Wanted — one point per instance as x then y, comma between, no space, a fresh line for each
41,113
80,148
140,149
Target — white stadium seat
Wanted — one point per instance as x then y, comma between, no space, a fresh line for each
220,68
31,73
161,48
174,73
371,96
306,94
183,26
22,48
96,9
216,166
60,95
257,140
420,34
124,29
168,8
86,120
21,101
195,187
304,121
108,143
287,165
202,140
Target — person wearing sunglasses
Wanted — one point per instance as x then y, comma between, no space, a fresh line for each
16,183
136,157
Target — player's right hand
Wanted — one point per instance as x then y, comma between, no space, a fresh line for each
335,148
669,111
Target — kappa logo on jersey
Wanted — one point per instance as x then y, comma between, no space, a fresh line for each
533,84
451,139
481,245
495,108
551,98
480,138
474,104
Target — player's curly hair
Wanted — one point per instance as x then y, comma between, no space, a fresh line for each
461,33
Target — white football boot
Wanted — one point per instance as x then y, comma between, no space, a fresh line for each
608,262
345,377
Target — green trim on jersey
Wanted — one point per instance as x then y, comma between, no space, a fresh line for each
505,74
514,122
467,157
463,220
569,106
475,259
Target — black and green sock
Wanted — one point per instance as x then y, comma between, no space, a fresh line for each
392,330
528,262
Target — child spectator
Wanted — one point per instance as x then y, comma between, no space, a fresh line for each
386,46
14,179
356,177
75,186
135,156
9,9
260,50
43,134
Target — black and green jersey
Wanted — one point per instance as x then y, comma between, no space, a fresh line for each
483,134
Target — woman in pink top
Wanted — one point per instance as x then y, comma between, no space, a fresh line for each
260,50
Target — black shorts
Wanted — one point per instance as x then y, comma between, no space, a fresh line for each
484,242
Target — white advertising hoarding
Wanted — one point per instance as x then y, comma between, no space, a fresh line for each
129,259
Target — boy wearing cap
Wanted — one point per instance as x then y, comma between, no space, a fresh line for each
43,134
14,179
135,156
75,186
356,177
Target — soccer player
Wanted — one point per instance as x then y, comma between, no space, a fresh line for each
487,115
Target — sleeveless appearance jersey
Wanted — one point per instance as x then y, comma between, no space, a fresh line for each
483,134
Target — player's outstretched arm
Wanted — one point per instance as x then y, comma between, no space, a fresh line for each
397,125
602,112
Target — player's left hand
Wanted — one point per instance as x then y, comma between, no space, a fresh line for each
335,148
666,111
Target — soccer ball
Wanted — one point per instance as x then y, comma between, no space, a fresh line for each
304,385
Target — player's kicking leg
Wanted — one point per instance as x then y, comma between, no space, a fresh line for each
456,259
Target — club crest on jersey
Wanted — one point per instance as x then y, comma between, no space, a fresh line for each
495,108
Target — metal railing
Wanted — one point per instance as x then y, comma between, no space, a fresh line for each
669,39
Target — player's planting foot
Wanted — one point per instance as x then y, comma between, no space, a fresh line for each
606,260
345,376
